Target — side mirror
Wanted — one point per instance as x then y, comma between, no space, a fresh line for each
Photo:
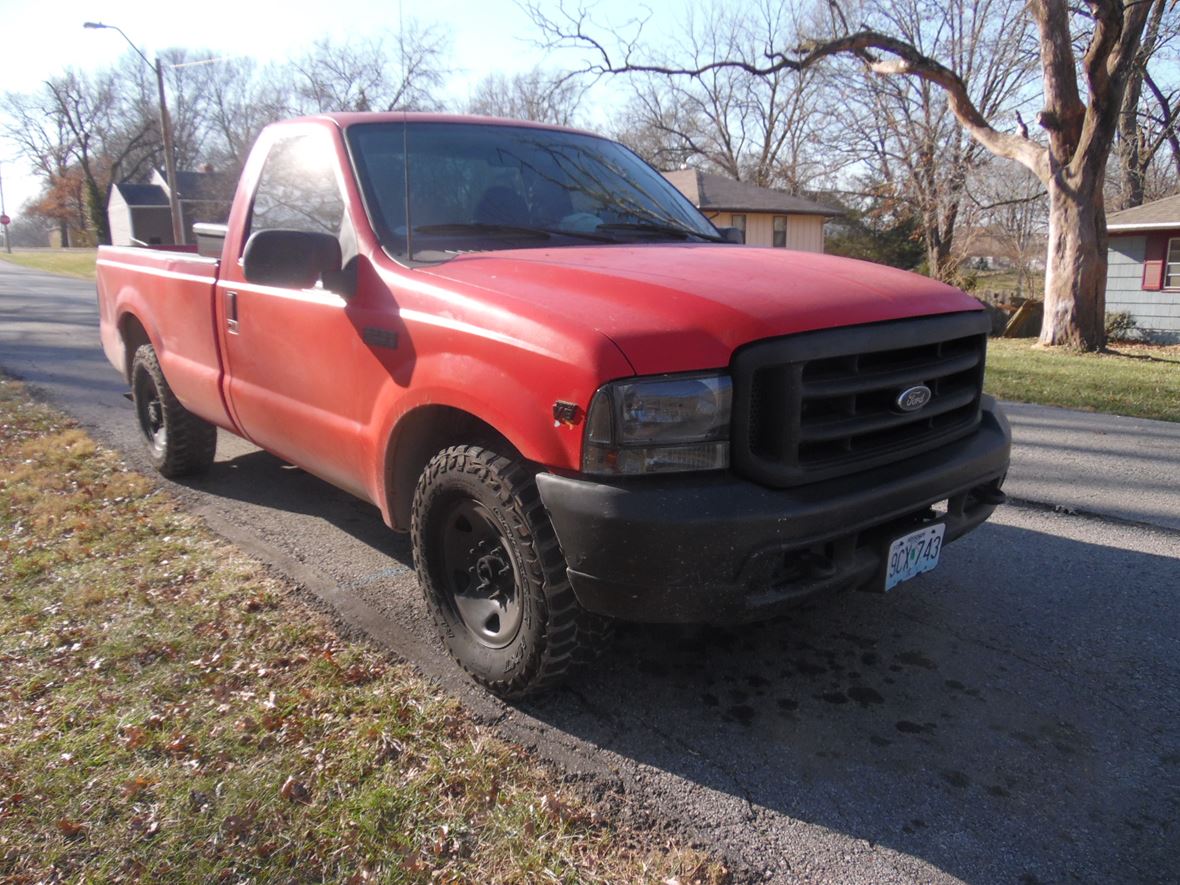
293,259
733,235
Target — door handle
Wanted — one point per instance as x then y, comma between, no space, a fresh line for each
231,312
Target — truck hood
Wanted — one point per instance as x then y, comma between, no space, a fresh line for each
679,307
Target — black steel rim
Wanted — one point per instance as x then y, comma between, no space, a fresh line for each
150,410
478,573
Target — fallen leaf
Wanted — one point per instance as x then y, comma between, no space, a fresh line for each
133,736
70,829
293,791
145,825
136,785
235,825
560,811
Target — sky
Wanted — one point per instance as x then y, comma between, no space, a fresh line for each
40,39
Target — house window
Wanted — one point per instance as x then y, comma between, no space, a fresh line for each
1172,269
738,221
780,231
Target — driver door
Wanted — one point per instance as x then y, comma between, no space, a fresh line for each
294,355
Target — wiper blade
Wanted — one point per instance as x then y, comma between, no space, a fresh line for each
475,227
655,228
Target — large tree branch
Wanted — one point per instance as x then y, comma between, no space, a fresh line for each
866,44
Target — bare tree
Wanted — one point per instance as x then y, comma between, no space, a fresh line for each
45,141
401,71
749,127
1147,118
243,99
903,128
1077,133
1012,210
77,123
535,95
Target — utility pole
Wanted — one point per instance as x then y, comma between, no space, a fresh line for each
169,160
165,133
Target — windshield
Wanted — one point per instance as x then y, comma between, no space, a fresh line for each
476,187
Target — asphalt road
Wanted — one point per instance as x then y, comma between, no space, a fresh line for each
1011,717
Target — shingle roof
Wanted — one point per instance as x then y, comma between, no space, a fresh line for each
142,194
1158,214
200,185
721,194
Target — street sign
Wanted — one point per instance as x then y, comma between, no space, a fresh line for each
5,220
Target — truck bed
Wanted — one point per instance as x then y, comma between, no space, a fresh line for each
140,285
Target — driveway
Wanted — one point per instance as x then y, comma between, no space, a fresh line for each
1010,717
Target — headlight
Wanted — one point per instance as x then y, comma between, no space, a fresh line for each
659,425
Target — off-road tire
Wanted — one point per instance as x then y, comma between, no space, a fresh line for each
178,442
555,633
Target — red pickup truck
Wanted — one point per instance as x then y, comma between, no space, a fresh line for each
582,399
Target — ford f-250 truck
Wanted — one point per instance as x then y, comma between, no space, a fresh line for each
582,399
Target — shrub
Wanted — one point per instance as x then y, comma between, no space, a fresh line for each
1121,326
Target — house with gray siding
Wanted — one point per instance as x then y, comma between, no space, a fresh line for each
1143,267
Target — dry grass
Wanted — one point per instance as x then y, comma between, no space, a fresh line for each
170,712
70,262
1131,379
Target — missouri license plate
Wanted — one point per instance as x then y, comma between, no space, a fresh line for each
912,554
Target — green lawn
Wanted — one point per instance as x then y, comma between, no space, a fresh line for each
174,713
71,262
1137,380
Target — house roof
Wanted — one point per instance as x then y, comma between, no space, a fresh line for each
720,194
138,195
196,187
201,185
1157,215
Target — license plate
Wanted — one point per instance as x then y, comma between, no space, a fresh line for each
912,554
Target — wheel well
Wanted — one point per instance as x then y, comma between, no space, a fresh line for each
134,336
421,435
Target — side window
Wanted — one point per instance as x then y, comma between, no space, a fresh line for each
739,221
1172,269
297,190
780,231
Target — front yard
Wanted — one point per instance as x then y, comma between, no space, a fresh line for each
172,712
1139,380
71,262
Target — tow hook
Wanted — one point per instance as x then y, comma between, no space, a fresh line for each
990,493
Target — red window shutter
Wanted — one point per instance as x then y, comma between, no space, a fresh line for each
1154,256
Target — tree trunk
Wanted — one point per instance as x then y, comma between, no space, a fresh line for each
940,264
1132,170
1075,275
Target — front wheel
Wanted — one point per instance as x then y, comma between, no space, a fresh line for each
493,574
179,443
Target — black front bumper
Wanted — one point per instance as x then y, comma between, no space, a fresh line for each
717,548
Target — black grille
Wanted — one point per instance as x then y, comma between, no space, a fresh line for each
821,404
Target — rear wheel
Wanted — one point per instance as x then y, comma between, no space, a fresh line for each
178,442
493,574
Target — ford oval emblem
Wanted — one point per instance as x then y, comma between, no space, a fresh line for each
913,398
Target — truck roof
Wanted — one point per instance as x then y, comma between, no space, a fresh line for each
350,118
